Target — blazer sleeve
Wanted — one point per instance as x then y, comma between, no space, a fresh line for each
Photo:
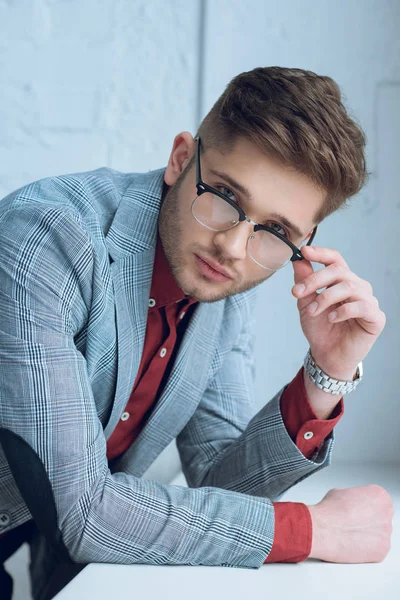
224,445
46,270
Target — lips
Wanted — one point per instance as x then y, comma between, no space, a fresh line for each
217,267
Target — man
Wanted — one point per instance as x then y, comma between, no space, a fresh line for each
126,320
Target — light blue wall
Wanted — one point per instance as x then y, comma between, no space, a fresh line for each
110,83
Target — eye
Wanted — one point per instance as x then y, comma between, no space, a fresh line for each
227,192
282,231
231,195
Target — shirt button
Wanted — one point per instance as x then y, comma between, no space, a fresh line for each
152,302
163,352
182,315
5,519
308,435
125,416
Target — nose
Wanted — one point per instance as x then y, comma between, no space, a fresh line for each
232,243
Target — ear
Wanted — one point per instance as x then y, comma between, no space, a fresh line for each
182,151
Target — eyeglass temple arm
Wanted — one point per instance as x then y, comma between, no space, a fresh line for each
310,241
198,172
298,255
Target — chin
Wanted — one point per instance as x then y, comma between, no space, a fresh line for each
209,291
194,284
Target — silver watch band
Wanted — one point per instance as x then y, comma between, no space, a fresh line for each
328,384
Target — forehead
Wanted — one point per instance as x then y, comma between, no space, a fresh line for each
271,186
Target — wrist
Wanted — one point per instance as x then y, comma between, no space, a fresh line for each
337,372
321,402
325,380
318,535
348,375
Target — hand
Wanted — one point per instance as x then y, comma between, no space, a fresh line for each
338,345
352,525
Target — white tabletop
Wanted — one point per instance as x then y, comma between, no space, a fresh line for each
310,579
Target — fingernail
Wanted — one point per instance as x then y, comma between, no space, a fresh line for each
313,307
299,288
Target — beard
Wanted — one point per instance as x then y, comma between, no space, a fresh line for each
181,260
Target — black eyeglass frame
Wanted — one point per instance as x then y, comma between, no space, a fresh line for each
203,187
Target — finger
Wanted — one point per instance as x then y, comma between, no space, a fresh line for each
343,292
301,269
333,295
372,319
328,276
326,256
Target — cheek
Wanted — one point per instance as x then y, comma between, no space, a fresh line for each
254,272
188,222
194,233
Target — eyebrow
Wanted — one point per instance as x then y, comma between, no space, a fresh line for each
243,190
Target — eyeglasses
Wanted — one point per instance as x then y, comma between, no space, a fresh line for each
216,211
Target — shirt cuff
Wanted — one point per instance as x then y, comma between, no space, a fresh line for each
300,419
293,533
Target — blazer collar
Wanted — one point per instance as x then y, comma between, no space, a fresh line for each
135,224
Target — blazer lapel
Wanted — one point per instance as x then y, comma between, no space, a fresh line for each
182,393
131,279
131,242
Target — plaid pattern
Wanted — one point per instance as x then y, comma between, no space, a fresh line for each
77,255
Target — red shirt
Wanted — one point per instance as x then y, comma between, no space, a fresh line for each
168,316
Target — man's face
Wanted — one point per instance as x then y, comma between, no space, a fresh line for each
274,189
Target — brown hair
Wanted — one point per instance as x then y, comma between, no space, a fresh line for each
297,118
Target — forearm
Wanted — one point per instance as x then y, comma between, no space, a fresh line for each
142,521
264,460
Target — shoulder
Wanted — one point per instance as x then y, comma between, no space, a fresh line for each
237,318
85,193
242,304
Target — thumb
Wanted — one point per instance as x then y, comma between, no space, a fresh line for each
301,268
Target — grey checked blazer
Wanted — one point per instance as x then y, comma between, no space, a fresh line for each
76,261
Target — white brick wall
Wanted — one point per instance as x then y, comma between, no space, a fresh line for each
93,83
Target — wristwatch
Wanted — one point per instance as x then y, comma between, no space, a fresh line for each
328,384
